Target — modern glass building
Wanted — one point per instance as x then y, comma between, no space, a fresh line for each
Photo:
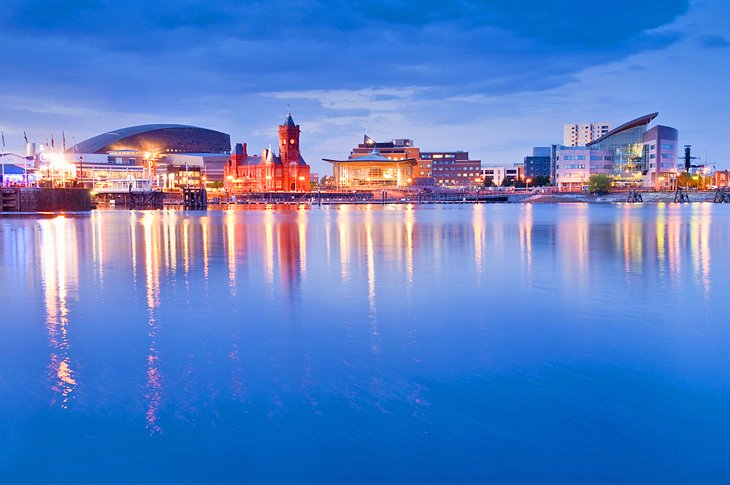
632,154
626,143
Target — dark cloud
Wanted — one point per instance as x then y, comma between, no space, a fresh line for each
186,56
713,41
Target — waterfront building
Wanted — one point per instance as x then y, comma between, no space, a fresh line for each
453,168
660,157
721,178
285,172
581,134
497,173
158,138
632,154
494,174
424,169
538,165
169,155
16,169
576,165
372,170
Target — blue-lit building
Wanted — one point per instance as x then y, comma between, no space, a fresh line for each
538,165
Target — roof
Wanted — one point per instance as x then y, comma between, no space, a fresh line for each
12,169
641,121
93,145
289,121
373,157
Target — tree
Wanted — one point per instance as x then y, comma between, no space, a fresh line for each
541,181
600,184
488,181
508,181
684,179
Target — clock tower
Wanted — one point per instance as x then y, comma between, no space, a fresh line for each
289,142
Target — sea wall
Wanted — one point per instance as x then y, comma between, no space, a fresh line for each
53,200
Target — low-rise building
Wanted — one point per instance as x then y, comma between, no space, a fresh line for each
453,168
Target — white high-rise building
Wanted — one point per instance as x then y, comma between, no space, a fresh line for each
580,134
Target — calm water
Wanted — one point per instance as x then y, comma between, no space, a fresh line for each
453,343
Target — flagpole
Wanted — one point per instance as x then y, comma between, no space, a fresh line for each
25,165
2,158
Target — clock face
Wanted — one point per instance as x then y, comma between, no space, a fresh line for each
291,141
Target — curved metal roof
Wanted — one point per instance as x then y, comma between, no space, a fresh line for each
641,121
373,157
93,145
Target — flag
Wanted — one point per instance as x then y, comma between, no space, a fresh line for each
53,143
63,140
26,138
3,134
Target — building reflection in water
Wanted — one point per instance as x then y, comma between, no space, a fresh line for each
59,257
410,222
700,243
525,230
269,248
230,230
290,251
97,247
153,392
342,223
670,243
370,256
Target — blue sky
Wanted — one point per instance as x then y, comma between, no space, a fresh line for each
494,78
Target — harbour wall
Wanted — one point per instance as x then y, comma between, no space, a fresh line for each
45,200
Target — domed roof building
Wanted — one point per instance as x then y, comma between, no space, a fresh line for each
158,138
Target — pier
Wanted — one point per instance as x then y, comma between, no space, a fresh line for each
195,198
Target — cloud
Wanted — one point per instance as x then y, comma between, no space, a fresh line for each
713,41
345,66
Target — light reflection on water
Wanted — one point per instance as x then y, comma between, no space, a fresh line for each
420,343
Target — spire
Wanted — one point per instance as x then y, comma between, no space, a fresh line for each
289,121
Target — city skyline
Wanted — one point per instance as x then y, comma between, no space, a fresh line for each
395,69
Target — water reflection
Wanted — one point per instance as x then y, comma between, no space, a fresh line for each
59,260
285,303
152,259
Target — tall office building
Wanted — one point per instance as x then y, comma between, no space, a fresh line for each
581,134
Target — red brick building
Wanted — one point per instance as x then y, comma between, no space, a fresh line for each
286,172
721,178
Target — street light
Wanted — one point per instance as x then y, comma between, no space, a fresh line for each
528,184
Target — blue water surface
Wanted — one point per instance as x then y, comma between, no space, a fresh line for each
470,343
